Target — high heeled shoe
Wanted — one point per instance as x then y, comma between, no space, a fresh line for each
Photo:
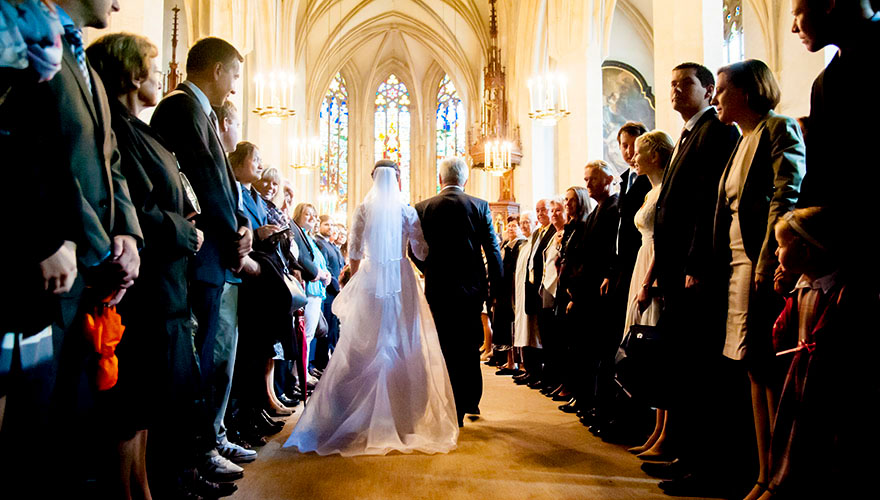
555,391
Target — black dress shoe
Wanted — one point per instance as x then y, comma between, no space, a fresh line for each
535,384
209,489
286,401
508,371
560,396
692,485
570,407
665,470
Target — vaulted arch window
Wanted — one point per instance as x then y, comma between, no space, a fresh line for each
392,128
734,47
334,144
450,123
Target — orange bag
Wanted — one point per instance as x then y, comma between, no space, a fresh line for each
104,329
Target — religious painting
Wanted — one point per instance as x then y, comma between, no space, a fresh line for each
333,183
392,128
626,97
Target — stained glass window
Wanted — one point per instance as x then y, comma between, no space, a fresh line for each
392,120
334,144
734,49
450,123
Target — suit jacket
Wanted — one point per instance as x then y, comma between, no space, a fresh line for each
335,263
591,252
306,259
182,123
769,189
629,239
457,227
685,206
533,303
64,168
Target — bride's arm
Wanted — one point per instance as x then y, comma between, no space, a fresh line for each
356,239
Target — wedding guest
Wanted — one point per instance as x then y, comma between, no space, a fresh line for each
326,240
825,416
155,313
759,185
548,322
306,217
189,126
525,328
503,310
682,265
652,152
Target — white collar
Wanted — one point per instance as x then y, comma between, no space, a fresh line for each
694,119
200,96
824,283
452,186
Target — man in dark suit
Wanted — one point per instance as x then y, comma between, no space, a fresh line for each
541,237
189,125
457,228
682,265
591,260
325,240
62,130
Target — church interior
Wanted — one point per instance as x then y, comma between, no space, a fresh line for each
418,81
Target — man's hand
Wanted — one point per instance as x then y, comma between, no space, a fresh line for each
691,282
200,238
643,299
125,255
568,307
604,287
263,232
116,297
762,281
245,241
59,269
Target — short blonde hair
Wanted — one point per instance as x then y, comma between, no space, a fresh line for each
121,59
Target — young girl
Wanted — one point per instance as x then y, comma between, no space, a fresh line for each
823,420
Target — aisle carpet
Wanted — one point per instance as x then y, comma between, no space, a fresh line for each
521,447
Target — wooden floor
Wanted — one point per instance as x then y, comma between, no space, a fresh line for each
521,447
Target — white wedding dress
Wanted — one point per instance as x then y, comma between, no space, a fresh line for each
386,387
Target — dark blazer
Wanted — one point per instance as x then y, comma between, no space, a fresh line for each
629,239
64,169
768,190
685,207
591,252
335,262
457,227
533,303
306,260
182,123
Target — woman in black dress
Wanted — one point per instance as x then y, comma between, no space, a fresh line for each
156,354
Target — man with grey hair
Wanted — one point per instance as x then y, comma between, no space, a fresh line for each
458,230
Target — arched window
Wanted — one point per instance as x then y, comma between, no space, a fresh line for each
392,121
334,144
450,123
734,48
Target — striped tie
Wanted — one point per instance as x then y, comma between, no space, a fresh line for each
74,38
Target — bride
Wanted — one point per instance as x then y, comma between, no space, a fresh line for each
386,386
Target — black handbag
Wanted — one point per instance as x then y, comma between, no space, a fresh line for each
645,365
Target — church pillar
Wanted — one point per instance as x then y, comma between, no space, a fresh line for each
684,31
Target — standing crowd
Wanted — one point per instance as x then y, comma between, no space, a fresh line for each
719,289
713,302
170,232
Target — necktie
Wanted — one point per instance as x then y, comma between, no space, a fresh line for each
215,122
74,38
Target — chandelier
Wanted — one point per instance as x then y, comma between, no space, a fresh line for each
548,93
305,154
274,90
274,99
494,149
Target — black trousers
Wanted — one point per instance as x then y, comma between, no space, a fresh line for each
461,335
